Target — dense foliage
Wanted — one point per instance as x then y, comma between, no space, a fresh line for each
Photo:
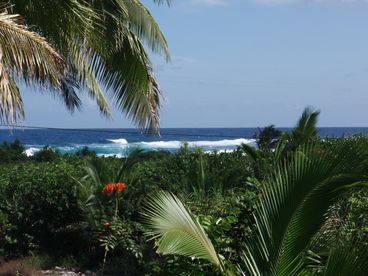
53,205
46,204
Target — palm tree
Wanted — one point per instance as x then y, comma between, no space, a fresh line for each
282,144
305,131
26,55
267,137
290,212
102,45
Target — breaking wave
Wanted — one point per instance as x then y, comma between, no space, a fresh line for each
121,147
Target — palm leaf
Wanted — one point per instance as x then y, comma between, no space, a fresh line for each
102,42
11,105
305,129
27,56
177,232
294,205
143,25
347,260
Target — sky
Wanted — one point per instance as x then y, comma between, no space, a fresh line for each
247,63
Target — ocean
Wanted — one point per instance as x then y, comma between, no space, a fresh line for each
120,142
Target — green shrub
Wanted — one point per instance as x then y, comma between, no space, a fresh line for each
46,154
12,152
38,207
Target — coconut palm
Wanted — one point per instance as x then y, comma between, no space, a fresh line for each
26,55
305,130
291,210
282,144
102,45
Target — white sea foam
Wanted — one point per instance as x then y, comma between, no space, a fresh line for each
31,151
161,144
221,143
67,149
205,144
121,147
121,141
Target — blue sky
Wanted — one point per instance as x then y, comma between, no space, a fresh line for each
248,63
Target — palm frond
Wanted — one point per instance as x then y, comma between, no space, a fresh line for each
143,25
102,43
86,65
134,88
305,129
347,260
294,205
251,152
159,2
134,157
27,56
304,132
280,147
177,232
11,105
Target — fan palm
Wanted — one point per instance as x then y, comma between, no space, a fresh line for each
291,210
102,45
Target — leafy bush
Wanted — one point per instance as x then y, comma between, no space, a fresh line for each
38,207
44,210
46,154
267,137
12,152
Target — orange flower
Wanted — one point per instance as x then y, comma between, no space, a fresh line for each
120,187
109,188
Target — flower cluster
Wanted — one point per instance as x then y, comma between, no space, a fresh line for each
111,187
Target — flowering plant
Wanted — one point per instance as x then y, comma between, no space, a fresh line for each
103,190
112,187
108,238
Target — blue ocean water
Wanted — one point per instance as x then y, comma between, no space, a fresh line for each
120,142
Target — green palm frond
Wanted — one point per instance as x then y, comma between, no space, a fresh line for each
134,157
347,260
87,64
306,128
11,105
251,152
168,2
134,88
294,205
280,147
27,56
291,210
143,25
304,132
102,44
177,232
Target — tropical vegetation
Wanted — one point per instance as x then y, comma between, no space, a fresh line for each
290,216
98,47
290,210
